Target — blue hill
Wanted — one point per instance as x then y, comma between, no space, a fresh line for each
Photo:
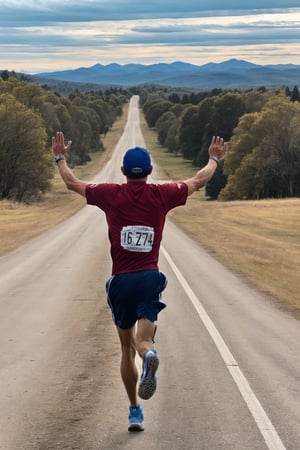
232,73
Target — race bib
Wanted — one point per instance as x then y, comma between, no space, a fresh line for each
135,238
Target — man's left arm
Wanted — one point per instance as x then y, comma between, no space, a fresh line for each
59,150
215,151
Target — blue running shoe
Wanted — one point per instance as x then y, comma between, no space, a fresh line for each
148,379
136,418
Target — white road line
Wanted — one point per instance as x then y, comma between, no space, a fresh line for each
263,422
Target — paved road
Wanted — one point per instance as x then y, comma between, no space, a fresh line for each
230,368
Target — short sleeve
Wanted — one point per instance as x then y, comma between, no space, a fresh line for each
173,194
100,194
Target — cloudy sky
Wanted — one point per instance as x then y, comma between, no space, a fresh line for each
48,35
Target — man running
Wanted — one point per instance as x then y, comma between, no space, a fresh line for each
135,214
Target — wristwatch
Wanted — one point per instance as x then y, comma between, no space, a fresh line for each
59,157
215,159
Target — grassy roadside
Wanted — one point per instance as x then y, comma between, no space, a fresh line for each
19,222
258,239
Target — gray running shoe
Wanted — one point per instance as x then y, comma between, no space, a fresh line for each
148,379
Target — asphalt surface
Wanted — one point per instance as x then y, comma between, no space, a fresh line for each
229,374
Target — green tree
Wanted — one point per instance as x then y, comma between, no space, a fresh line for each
255,100
174,98
295,97
172,143
263,159
156,110
163,125
242,143
64,118
50,118
206,110
228,108
30,94
25,163
5,75
177,109
190,132
81,136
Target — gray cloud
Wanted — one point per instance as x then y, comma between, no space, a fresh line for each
191,38
173,33
219,37
29,12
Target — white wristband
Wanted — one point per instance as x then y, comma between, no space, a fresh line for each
215,159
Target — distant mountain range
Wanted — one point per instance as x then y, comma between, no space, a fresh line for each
229,74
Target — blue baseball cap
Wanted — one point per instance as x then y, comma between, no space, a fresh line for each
137,162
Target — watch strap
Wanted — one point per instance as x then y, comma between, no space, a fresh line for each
59,157
215,159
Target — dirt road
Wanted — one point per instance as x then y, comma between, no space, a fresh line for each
230,368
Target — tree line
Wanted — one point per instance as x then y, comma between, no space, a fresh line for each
30,115
261,128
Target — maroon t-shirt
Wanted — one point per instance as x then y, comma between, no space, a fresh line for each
135,214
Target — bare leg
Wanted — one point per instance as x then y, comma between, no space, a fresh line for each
144,336
129,371
144,339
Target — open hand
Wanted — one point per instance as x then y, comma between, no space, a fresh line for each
217,147
58,144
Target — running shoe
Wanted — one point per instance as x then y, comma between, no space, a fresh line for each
136,418
148,379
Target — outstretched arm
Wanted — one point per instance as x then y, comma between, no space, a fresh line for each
215,151
59,150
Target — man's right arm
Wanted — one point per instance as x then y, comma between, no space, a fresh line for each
59,150
70,180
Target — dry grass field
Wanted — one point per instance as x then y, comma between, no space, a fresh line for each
258,239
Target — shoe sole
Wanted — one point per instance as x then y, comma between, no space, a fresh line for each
148,385
136,427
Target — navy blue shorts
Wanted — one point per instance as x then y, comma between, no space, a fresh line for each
135,295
